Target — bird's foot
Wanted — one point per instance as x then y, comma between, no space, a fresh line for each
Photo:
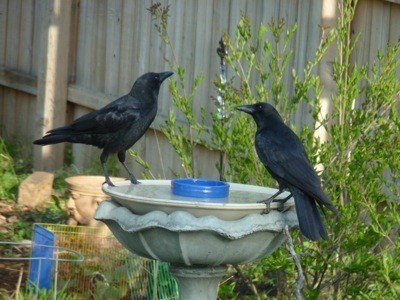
282,202
108,181
281,206
133,180
267,203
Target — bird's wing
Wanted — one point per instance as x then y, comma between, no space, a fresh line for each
120,113
285,157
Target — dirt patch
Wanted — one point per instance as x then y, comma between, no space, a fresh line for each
13,273
13,268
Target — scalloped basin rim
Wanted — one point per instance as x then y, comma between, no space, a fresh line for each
181,238
181,221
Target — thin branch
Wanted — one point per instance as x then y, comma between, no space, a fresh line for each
18,288
296,258
159,153
247,281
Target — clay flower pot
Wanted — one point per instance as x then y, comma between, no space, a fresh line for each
85,196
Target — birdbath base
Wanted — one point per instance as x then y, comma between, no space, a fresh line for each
197,282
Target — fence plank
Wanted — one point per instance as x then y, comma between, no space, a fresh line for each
53,83
142,32
362,25
3,30
394,29
9,115
40,16
13,33
87,37
74,31
325,68
203,55
18,81
26,32
112,45
126,62
81,153
116,42
379,28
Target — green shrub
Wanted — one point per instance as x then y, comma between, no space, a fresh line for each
359,156
9,180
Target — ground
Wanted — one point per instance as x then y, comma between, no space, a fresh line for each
16,224
11,270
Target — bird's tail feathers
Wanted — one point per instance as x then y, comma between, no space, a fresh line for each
310,221
51,139
324,201
58,135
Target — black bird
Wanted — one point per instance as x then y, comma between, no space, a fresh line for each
283,155
117,126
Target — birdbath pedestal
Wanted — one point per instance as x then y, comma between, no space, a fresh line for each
198,282
197,238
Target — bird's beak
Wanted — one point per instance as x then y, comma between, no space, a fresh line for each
246,108
165,75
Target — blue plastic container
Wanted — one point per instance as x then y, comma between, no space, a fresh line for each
199,188
41,267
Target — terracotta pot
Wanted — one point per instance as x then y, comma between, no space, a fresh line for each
85,196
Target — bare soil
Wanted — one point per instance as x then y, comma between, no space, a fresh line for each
13,268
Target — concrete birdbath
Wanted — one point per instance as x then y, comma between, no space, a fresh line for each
197,236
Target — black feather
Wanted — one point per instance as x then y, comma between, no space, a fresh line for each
117,126
283,155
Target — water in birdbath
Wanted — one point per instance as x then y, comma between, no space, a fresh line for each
164,192
152,195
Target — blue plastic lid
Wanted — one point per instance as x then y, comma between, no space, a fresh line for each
199,188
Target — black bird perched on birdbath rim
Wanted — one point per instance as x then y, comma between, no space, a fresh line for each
117,126
283,155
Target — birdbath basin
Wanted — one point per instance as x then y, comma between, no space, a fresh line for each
198,238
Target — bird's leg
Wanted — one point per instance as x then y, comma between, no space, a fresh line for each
103,159
269,200
282,202
121,157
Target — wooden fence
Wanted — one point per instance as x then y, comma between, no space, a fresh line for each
62,58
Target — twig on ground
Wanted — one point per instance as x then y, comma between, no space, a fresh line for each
18,287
